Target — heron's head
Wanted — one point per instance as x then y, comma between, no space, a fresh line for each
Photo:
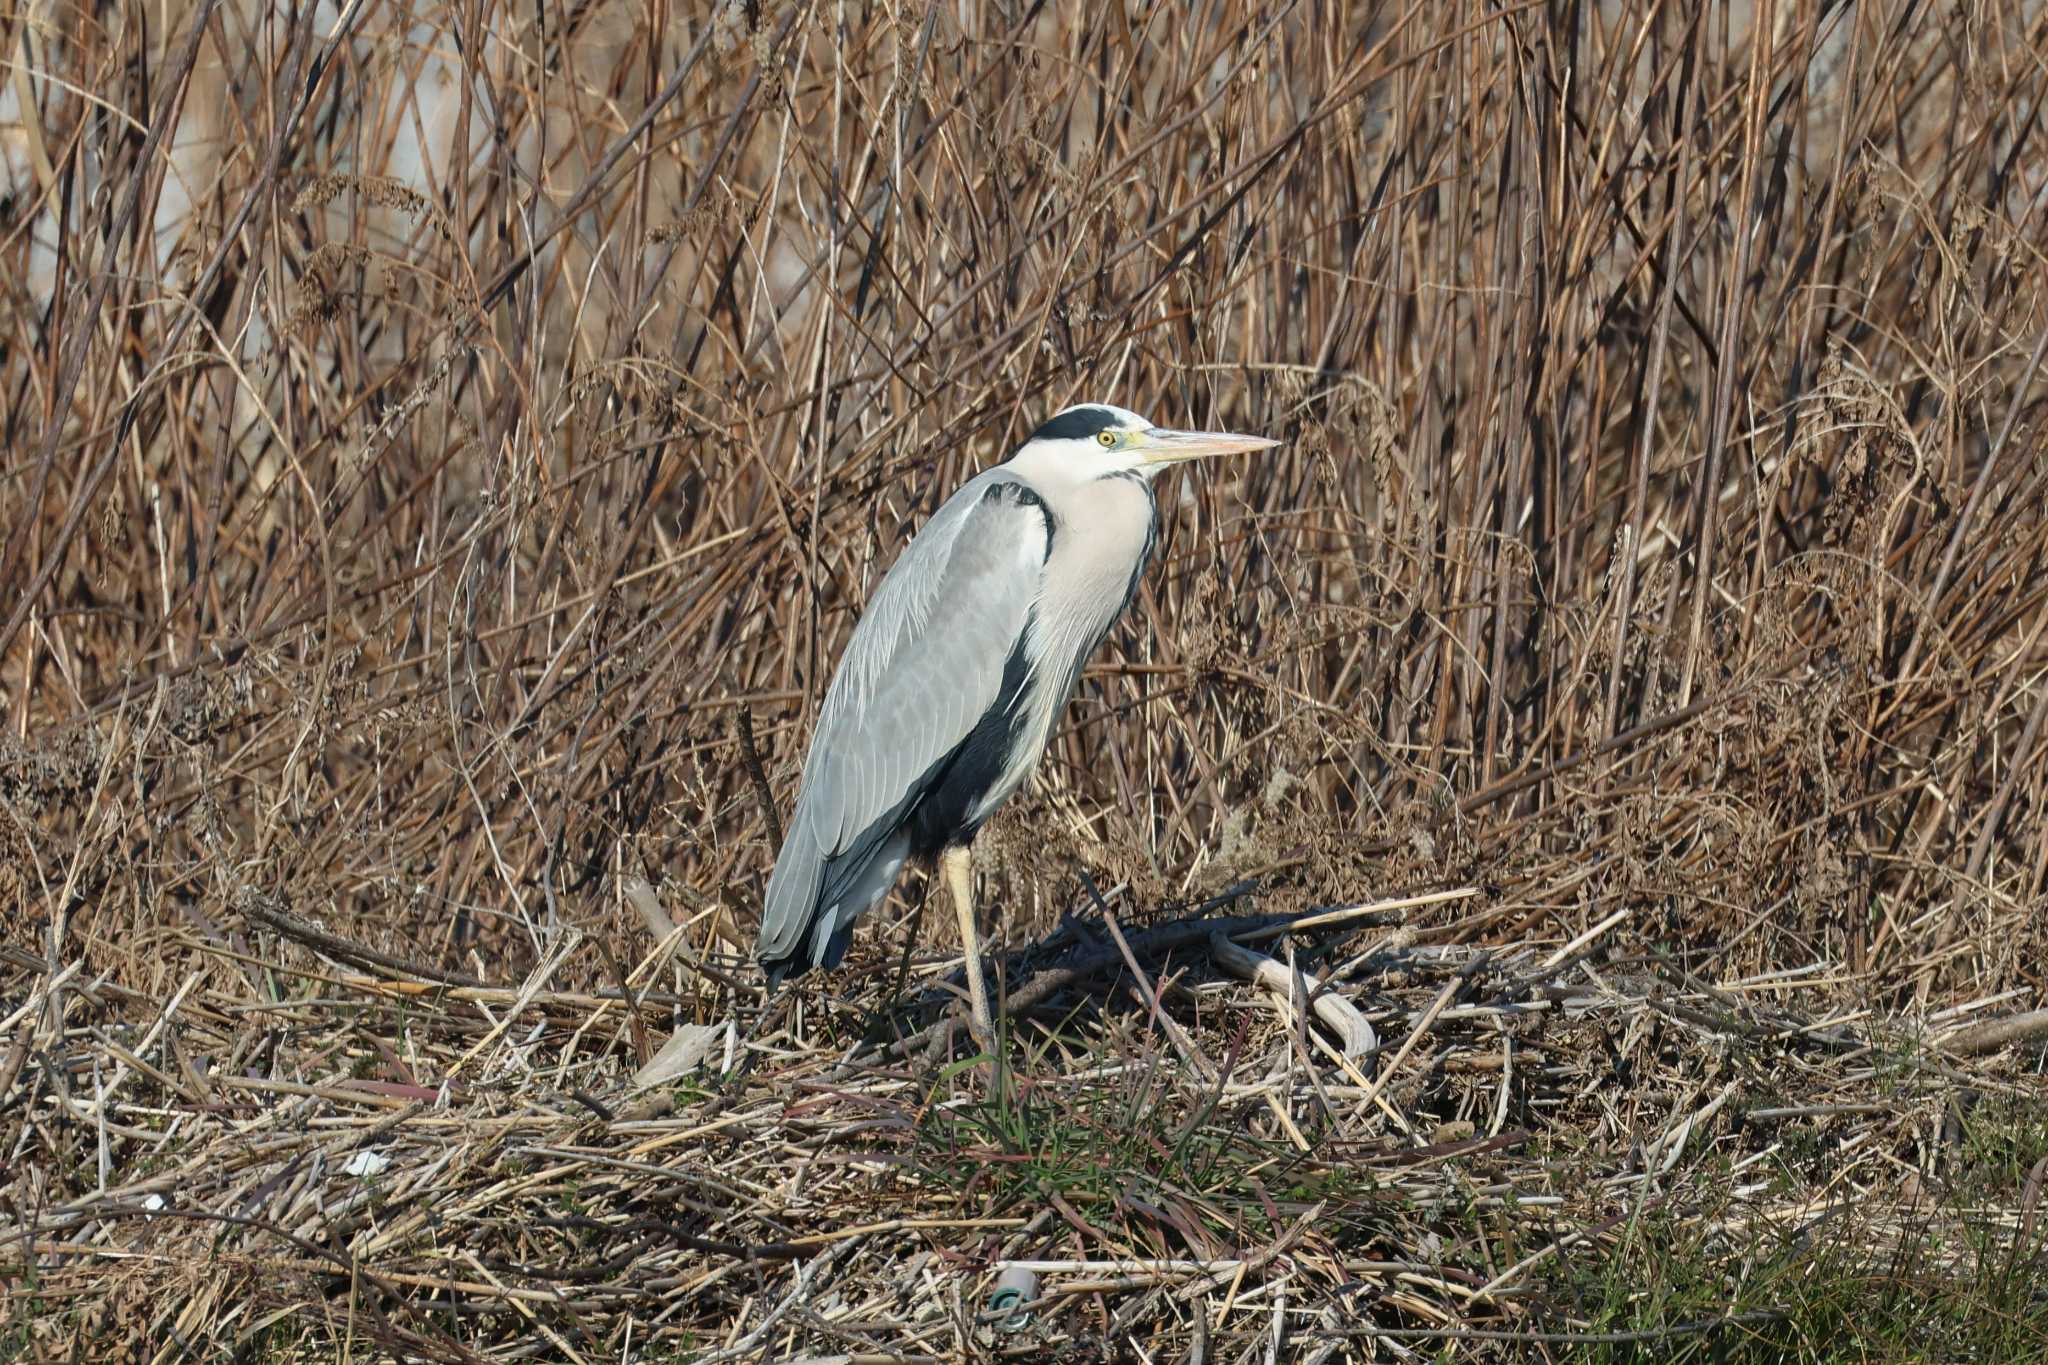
1096,440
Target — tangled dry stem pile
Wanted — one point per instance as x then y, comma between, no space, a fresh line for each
446,453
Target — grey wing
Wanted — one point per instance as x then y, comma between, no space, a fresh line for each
924,663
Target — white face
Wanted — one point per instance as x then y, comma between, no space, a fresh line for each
1097,440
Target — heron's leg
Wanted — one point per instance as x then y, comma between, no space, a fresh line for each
958,866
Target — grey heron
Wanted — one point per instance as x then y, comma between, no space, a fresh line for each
949,687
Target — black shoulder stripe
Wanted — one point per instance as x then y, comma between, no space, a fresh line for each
1023,495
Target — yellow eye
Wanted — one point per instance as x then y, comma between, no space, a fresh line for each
1107,439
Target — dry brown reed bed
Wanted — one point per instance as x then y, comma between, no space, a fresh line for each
402,550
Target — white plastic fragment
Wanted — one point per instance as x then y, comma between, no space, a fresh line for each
682,1053
365,1162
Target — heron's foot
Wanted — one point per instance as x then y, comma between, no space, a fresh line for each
943,1037
967,1014
992,1063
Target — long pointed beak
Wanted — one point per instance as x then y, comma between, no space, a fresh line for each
1158,445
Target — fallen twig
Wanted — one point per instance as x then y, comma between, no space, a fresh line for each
1330,1005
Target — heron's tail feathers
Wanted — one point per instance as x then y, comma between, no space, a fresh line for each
790,906
813,898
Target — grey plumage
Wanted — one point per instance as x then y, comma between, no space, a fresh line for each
924,666
961,664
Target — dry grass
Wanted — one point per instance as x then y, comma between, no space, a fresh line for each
443,442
